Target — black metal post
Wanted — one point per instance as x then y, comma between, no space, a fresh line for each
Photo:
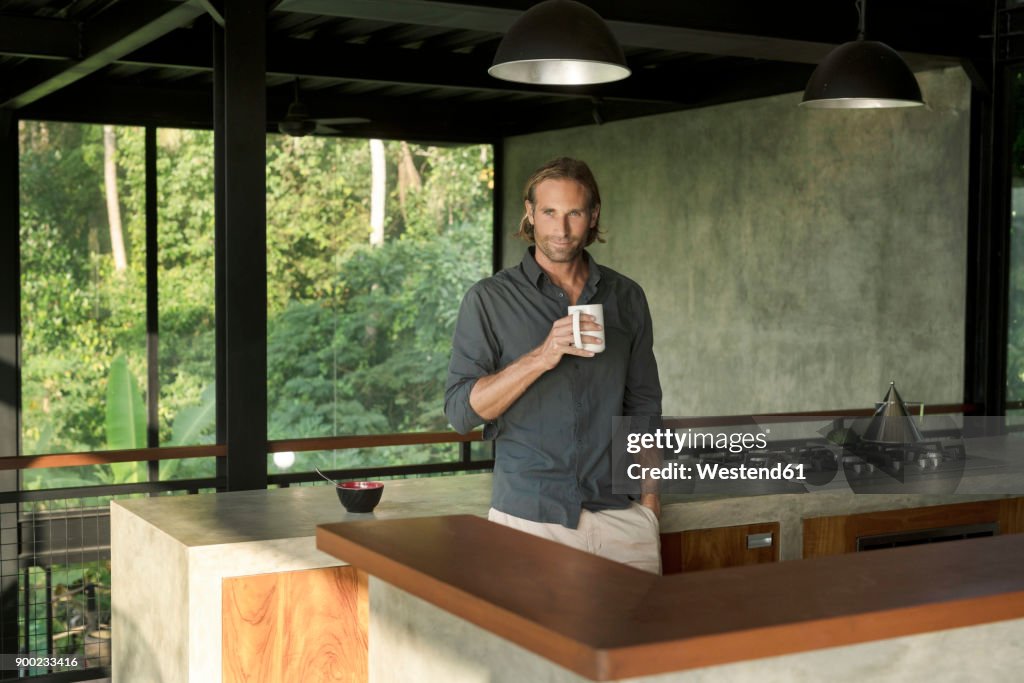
979,218
26,610
988,244
245,238
10,376
10,283
998,272
152,307
220,268
498,232
48,591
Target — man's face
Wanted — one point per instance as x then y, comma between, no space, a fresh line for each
561,219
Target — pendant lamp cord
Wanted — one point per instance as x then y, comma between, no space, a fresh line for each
860,24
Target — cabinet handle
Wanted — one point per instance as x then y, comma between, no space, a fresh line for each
755,541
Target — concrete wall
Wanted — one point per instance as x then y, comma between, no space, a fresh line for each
794,259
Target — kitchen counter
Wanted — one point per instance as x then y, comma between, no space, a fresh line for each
457,594
171,554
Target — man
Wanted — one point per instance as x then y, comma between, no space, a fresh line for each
547,404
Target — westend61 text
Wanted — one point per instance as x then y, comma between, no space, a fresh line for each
715,471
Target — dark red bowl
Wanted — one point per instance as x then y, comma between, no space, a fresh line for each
360,496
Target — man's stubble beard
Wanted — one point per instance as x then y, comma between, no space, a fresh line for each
561,255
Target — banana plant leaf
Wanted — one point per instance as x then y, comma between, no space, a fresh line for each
191,423
191,427
125,418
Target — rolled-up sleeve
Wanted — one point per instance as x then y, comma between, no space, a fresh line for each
475,353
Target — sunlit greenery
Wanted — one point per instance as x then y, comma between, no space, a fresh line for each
358,335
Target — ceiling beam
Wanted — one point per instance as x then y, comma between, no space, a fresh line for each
193,108
188,49
216,11
379,109
796,31
431,69
40,38
406,118
707,87
121,29
421,132
125,106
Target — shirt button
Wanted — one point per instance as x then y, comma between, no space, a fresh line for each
561,295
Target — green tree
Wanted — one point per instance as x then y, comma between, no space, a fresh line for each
369,355
358,336
77,313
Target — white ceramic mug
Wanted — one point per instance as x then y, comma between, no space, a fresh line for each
596,310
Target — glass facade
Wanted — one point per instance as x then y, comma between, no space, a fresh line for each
371,245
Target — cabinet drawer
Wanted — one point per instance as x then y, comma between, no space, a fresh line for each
731,546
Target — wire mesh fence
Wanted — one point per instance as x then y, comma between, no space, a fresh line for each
64,582
56,588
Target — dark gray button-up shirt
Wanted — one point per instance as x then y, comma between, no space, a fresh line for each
553,445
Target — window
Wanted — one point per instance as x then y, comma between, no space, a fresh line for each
363,290
187,334
83,291
371,245
83,262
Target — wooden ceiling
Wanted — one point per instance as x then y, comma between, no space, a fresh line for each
418,68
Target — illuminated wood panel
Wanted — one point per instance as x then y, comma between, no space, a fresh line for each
305,626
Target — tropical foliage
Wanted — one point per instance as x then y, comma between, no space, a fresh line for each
358,334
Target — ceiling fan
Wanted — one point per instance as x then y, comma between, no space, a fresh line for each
297,122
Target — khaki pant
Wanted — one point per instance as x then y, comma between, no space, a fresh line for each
629,535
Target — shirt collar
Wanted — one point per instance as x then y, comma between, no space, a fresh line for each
533,272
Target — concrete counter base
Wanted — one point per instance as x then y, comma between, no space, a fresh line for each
411,640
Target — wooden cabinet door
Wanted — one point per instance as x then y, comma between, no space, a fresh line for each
837,535
717,548
308,625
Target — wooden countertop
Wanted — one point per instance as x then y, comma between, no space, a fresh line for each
604,620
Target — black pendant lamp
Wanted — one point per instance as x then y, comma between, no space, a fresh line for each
862,74
296,121
559,42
